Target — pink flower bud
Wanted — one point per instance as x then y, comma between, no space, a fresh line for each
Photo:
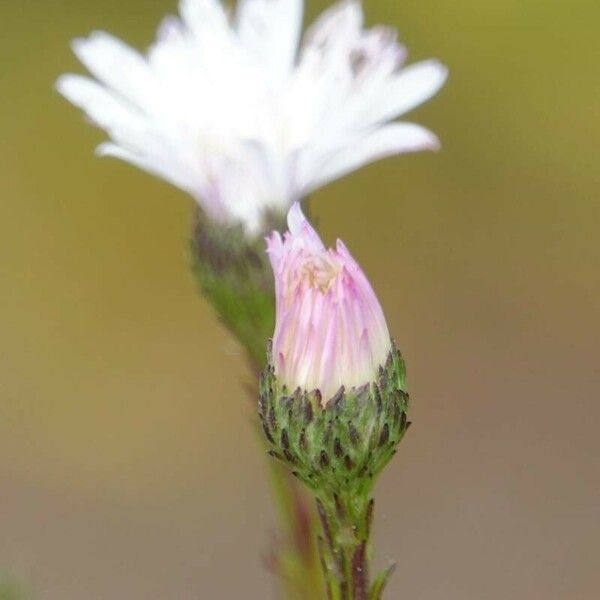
330,330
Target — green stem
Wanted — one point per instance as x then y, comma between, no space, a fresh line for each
345,546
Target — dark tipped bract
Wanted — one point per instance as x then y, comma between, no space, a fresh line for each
344,445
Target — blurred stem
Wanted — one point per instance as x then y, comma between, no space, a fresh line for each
296,561
234,274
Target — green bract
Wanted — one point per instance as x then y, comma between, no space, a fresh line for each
340,447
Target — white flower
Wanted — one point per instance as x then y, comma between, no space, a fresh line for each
232,111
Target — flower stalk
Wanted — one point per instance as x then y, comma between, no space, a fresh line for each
344,546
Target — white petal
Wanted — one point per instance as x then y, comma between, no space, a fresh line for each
162,162
379,53
395,138
412,86
102,107
117,65
270,30
138,141
204,16
341,22
170,30
160,166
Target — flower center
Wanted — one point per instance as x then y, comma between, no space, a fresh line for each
320,272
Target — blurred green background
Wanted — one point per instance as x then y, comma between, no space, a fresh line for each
128,467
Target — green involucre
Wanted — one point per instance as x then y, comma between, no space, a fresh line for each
340,448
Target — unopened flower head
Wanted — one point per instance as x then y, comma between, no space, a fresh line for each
333,401
330,330
242,115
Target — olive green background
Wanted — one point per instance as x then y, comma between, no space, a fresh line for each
128,467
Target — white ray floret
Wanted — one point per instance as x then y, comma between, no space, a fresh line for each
240,113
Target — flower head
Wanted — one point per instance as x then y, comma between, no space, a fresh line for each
235,111
330,330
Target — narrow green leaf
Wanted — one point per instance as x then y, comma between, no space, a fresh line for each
380,582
